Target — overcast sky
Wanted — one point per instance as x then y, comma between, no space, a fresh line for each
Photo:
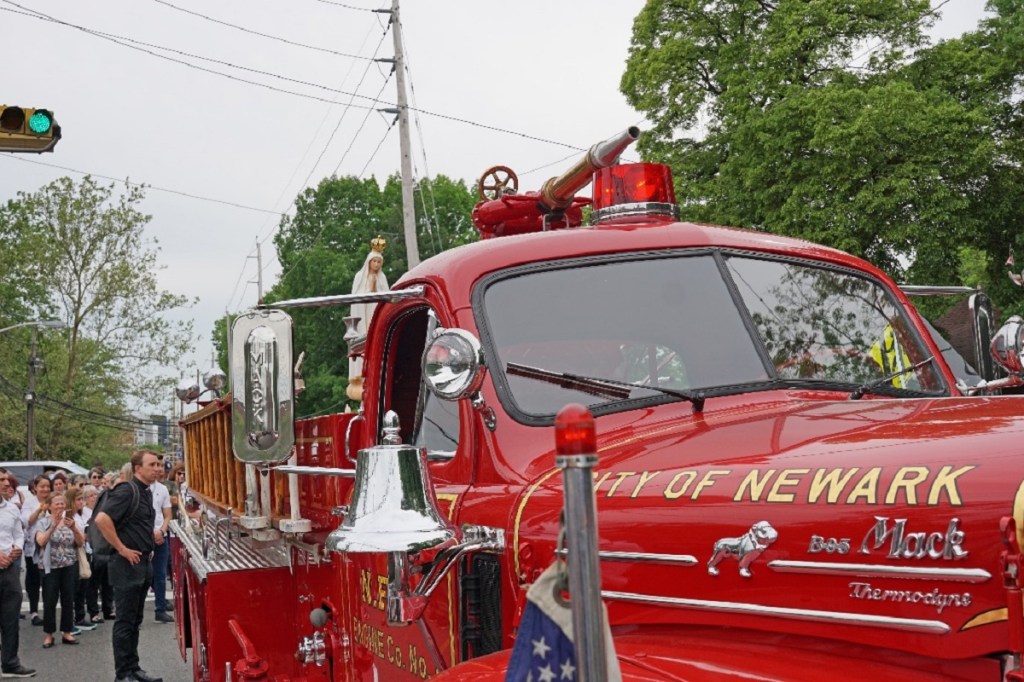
547,70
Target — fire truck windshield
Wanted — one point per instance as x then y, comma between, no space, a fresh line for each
712,323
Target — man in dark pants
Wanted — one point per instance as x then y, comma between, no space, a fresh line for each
126,522
12,541
161,555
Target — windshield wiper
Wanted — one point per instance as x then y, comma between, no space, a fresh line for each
859,392
607,388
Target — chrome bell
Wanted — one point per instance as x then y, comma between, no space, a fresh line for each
393,504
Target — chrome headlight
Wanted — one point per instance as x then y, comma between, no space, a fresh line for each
453,364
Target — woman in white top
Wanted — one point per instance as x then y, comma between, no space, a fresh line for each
90,494
34,508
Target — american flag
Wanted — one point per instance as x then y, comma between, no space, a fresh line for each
544,649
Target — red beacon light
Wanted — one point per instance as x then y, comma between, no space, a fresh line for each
634,191
574,431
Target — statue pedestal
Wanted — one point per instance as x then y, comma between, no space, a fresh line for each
354,391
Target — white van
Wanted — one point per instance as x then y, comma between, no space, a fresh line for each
26,471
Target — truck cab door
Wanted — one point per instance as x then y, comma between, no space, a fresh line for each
394,382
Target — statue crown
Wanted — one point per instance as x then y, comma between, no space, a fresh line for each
378,244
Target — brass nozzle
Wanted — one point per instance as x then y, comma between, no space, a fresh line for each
557,193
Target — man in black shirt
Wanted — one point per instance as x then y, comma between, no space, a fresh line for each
126,522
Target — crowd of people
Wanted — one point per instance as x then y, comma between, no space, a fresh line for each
46,532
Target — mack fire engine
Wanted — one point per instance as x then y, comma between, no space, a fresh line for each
791,482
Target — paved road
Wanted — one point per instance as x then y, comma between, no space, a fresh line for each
93,661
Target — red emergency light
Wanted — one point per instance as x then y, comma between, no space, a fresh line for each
574,431
634,190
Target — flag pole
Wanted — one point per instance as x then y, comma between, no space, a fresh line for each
576,445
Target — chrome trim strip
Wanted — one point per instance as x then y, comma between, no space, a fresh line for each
681,559
935,290
933,627
347,299
649,208
644,557
314,471
956,575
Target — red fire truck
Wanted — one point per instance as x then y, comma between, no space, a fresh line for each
791,481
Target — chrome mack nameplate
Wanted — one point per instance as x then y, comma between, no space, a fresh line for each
917,545
262,403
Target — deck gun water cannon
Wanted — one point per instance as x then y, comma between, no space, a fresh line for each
503,211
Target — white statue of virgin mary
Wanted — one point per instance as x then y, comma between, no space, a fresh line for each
369,279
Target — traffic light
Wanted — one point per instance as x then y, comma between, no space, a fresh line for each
27,130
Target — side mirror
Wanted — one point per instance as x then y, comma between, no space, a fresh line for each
262,399
1007,344
981,324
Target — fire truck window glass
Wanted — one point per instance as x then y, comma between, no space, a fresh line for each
425,420
826,325
666,322
672,323
439,427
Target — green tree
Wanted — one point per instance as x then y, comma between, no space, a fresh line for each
982,70
98,272
324,244
771,121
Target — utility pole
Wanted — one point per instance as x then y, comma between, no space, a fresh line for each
34,363
30,399
259,272
412,248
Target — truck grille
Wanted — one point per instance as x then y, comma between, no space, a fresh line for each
481,606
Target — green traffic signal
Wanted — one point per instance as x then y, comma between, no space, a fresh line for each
40,122
26,130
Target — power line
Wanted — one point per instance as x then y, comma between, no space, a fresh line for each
84,420
323,411
931,11
312,139
241,295
346,6
134,45
118,40
239,280
377,149
323,226
548,165
345,112
262,35
68,410
436,223
354,138
273,230
138,184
